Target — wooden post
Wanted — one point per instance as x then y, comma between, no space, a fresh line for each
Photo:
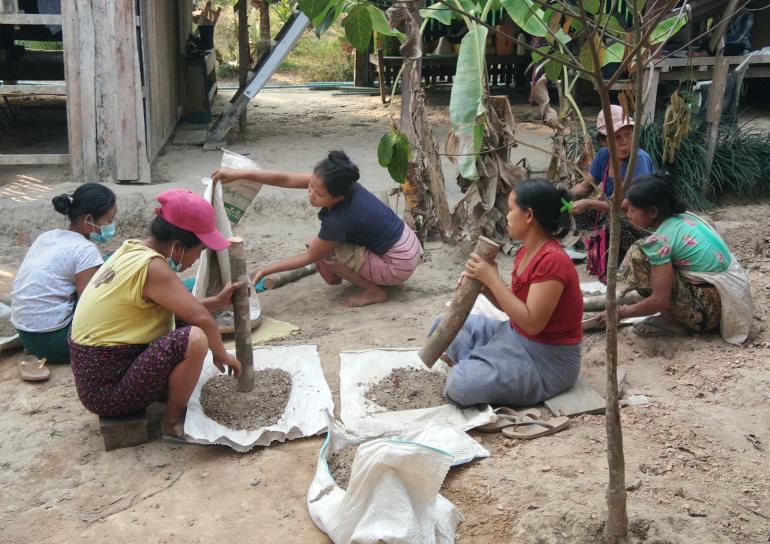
650,96
360,68
244,350
454,317
282,278
243,55
717,90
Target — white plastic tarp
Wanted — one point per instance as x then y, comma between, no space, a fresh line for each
309,401
361,369
393,492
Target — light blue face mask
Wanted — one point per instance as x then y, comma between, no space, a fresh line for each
105,234
175,266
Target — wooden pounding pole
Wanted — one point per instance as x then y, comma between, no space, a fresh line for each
244,350
455,315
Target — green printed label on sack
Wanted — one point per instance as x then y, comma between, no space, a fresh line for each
234,214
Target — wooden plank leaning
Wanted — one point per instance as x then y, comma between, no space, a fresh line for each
244,349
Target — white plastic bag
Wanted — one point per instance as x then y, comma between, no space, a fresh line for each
392,496
238,195
361,369
213,194
309,401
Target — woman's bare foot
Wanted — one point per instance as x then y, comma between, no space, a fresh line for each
366,297
173,428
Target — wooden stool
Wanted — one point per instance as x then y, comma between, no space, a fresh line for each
124,431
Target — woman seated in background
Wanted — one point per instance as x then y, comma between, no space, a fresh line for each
56,270
126,352
683,269
536,353
590,210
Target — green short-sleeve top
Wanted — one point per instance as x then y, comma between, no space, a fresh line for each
687,243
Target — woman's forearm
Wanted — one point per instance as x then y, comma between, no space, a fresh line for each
213,304
275,178
210,328
491,297
648,306
290,263
514,308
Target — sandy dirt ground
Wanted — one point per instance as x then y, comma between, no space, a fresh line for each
695,477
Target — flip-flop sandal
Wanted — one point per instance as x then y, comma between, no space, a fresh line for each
529,428
507,417
34,371
177,438
655,326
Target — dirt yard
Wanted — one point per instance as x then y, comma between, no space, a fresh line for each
693,474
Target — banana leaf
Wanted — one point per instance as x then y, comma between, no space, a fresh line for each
466,102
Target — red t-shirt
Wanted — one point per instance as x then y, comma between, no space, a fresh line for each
552,263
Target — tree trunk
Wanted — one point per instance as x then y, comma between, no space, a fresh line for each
264,29
424,186
483,209
617,515
717,91
244,57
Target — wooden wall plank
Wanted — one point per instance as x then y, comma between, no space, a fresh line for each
71,45
44,158
128,111
161,68
145,174
184,14
25,19
87,49
26,90
107,92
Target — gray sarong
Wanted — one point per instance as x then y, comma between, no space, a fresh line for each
494,364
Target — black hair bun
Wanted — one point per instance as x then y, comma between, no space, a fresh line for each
62,203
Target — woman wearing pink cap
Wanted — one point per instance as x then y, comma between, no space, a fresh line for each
591,211
125,350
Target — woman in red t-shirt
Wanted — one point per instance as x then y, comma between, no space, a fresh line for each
536,354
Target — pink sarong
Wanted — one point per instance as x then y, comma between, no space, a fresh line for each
392,268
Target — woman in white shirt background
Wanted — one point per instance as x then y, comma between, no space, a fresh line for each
57,268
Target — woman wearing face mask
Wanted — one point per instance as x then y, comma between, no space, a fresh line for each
126,352
56,270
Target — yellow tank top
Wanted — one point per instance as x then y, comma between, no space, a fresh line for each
111,311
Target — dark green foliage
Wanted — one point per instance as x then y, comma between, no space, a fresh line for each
393,153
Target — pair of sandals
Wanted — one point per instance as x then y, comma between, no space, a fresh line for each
523,424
